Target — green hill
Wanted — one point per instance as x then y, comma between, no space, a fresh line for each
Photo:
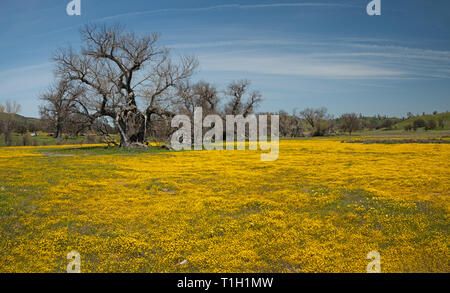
17,118
441,116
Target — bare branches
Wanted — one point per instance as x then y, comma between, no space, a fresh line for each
237,105
59,104
313,116
350,122
134,81
10,108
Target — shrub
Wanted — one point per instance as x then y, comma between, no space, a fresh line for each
8,138
90,139
386,123
431,124
419,123
21,129
408,127
321,129
25,140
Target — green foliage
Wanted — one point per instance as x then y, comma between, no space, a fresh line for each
431,124
442,119
419,123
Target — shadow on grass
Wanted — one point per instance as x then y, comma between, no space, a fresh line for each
101,150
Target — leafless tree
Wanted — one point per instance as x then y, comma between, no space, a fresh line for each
9,124
313,116
201,94
241,102
127,78
290,125
76,124
350,122
318,119
60,104
12,108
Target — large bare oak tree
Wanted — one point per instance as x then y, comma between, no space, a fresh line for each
126,78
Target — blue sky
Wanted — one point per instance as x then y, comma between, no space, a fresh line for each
297,53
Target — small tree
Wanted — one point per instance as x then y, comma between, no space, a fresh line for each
350,122
239,103
408,127
12,108
317,119
431,124
290,125
9,124
60,102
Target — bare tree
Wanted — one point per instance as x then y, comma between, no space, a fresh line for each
318,119
76,124
9,124
350,122
59,105
241,102
128,78
12,108
313,116
290,125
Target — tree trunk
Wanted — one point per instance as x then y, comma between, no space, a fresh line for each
131,124
58,133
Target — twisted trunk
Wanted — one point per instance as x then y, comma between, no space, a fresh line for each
131,123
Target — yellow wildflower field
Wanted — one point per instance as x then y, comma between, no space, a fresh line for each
321,207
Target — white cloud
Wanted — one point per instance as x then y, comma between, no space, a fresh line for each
230,6
297,66
331,58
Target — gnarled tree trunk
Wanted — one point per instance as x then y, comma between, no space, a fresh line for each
131,123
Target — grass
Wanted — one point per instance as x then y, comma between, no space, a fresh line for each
419,133
42,140
100,150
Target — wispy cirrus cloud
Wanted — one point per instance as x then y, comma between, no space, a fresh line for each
330,59
298,65
230,6
24,83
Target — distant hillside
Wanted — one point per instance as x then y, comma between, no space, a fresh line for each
444,116
17,117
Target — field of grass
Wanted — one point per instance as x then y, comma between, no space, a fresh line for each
321,207
43,140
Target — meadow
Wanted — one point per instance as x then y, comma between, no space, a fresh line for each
321,207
